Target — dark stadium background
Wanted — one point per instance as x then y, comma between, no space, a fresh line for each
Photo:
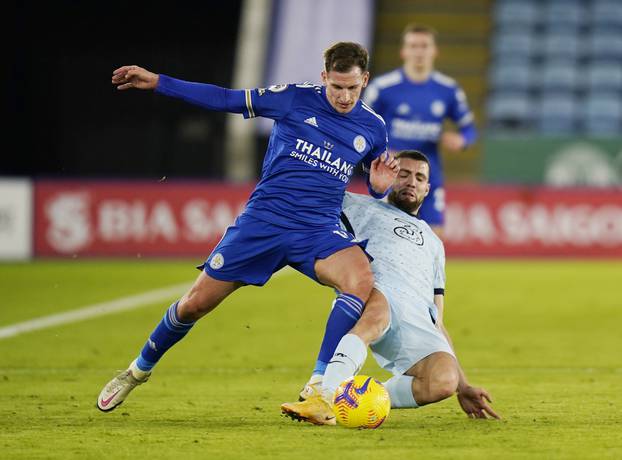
66,119
544,80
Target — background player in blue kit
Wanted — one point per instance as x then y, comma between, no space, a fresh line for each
414,100
321,133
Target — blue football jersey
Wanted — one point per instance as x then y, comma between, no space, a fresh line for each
414,111
311,155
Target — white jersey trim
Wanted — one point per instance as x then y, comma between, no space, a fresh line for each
370,110
443,79
249,103
390,79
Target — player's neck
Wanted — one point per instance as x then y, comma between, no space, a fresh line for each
416,74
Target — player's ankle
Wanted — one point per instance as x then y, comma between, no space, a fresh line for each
137,372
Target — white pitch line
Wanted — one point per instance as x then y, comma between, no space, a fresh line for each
94,310
101,309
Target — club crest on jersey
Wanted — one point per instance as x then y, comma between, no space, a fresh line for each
409,231
437,108
403,109
359,143
277,88
217,261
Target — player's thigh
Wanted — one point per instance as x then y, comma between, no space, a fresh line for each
347,270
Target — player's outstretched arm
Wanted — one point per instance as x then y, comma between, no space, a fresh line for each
132,76
383,172
475,402
452,141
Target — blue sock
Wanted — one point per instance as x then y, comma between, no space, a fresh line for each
347,309
164,336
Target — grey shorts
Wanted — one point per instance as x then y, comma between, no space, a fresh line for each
410,337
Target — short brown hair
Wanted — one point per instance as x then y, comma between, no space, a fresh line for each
415,155
342,56
414,28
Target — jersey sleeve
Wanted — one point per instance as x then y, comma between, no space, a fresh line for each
379,146
273,102
461,115
439,271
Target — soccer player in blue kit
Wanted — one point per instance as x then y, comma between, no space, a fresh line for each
414,100
320,135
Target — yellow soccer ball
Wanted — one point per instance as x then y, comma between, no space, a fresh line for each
361,402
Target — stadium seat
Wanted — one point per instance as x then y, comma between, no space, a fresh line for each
560,44
513,43
512,75
557,113
559,76
606,13
602,113
515,12
510,110
606,44
605,76
565,13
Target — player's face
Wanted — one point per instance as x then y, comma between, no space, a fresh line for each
343,89
418,51
412,185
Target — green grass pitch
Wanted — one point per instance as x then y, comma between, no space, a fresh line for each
543,337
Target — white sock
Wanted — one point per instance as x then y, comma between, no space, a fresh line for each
138,373
400,388
348,359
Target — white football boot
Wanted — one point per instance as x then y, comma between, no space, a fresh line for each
115,391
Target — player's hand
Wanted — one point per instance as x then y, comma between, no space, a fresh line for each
132,76
383,172
474,401
454,142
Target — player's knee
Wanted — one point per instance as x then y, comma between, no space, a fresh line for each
359,283
193,307
444,384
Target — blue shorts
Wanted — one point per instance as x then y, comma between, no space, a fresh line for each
251,250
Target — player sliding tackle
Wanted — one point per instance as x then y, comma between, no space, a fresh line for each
292,218
411,342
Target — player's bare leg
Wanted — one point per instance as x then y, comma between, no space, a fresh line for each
204,295
436,378
348,271
430,380
375,318
317,406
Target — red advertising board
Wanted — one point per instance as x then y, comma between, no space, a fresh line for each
533,222
133,218
127,218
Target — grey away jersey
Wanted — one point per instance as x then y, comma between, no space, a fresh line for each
409,259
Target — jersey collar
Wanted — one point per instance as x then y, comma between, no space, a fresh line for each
412,82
